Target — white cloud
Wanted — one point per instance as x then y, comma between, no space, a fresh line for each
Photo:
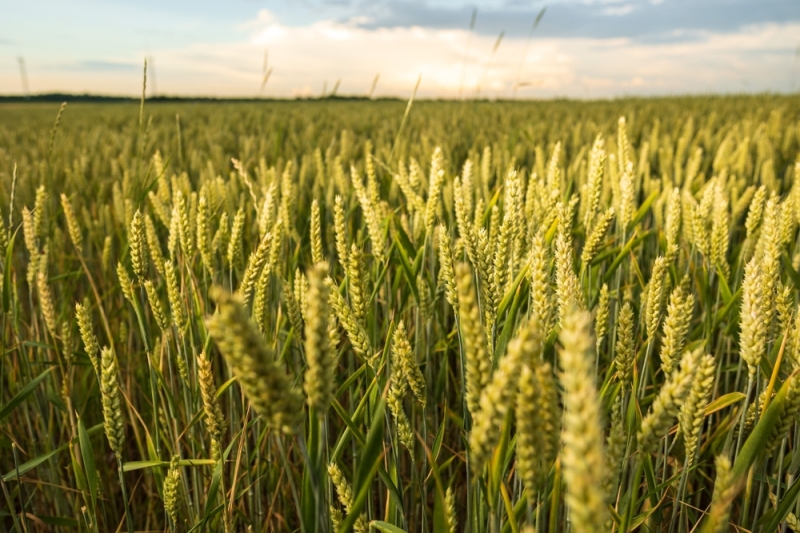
618,11
756,58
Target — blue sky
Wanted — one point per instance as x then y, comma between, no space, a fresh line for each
581,48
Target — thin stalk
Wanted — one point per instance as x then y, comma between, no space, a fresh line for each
128,517
10,503
292,484
648,353
19,488
742,418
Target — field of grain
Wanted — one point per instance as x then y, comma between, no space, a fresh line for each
333,316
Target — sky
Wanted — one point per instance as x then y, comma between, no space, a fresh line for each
579,49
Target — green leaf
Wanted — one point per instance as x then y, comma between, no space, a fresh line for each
418,261
312,475
437,442
784,507
408,270
632,243
151,452
33,463
757,441
386,527
605,254
24,393
287,345
212,513
722,313
508,325
402,238
42,345
439,505
789,269
139,465
350,379
373,448
382,275
519,509
367,467
488,209
497,464
213,488
512,291
358,505
642,211
652,488
351,428
394,492
348,421
87,456
724,401
639,519
440,509
723,286
80,476
551,232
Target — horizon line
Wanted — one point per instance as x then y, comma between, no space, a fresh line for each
112,98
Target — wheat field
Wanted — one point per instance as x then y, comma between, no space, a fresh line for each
333,316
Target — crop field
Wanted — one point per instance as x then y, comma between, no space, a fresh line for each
428,317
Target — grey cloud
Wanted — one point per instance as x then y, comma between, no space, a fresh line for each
641,20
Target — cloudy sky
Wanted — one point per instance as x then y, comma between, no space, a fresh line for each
581,48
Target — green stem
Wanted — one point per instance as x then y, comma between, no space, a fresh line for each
128,517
